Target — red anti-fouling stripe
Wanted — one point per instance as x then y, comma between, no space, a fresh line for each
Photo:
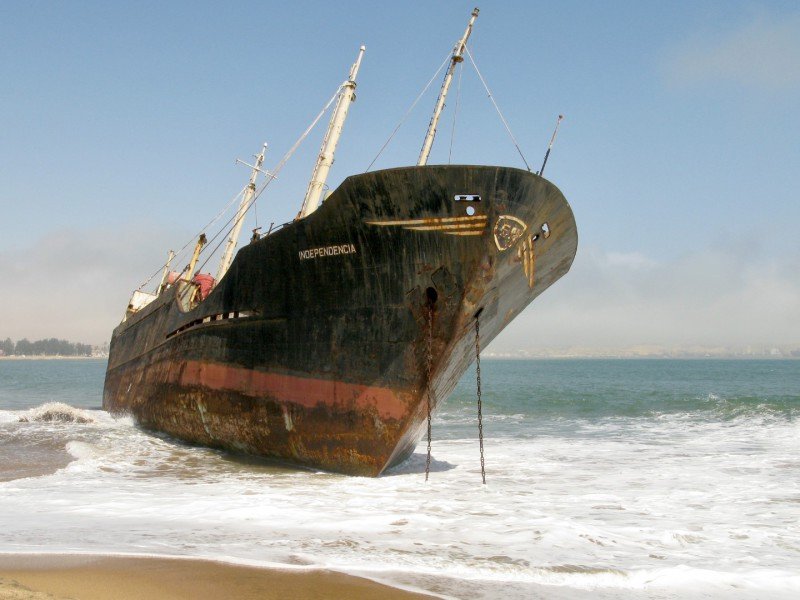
305,391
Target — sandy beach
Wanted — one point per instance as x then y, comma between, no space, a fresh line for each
80,577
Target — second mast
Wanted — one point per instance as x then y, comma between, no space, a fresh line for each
331,139
457,57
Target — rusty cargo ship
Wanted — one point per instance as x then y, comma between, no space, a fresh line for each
327,342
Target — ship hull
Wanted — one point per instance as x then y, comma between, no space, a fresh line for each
324,342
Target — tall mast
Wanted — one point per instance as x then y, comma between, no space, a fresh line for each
457,57
331,139
233,239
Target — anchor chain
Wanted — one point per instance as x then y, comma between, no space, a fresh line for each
429,367
480,402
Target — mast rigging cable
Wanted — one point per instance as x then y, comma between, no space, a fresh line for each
410,108
194,238
497,108
455,112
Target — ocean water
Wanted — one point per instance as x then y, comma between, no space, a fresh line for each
605,479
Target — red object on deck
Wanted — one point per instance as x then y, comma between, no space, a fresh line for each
205,282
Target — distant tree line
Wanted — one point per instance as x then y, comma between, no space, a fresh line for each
49,347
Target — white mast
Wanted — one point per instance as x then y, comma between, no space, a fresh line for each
331,139
233,239
458,51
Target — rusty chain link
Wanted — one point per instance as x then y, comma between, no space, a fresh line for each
428,386
480,402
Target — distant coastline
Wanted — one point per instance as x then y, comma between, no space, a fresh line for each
780,352
511,356
53,357
53,349
507,356
50,348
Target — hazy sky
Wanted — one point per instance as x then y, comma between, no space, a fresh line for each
680,151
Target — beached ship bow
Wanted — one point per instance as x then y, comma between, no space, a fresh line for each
477,243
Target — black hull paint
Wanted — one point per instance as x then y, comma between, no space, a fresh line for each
314,345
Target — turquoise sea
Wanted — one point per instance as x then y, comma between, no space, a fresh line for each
605,479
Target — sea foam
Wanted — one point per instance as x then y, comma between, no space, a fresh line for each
596,503
56,412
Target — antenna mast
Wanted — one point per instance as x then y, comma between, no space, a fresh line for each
457,57
233,239
550,145
331,139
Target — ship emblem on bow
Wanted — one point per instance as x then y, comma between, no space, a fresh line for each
507,231
473,225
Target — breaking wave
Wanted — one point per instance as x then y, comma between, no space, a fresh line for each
56,412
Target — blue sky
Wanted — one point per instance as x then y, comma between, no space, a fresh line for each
679,153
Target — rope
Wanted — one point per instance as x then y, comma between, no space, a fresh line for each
455,112
408,112
491,97
480,402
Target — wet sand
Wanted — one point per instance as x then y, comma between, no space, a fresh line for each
62,577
